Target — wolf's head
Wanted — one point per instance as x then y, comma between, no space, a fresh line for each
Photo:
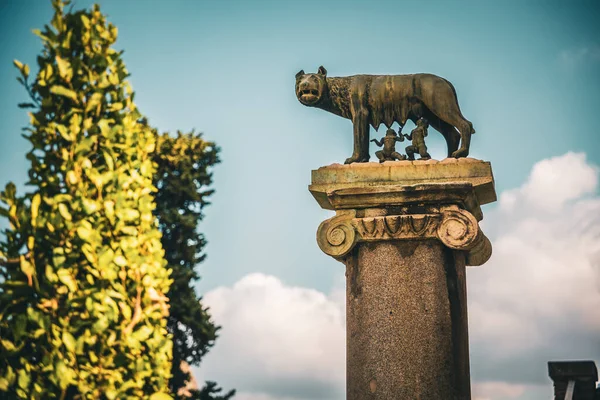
310,88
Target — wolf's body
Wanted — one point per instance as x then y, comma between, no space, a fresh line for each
384,99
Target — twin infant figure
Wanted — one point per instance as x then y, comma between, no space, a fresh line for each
417,136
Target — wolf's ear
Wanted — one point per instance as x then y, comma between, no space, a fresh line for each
322,71
300,73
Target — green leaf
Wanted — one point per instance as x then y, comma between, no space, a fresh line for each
120,261
109,161
26,105
64,275
90,206
35,206
27,268
69,341
36,317
88,252
143,333
47,72
10,191
8,379
72,177
8,345
23,379
85,232
57,260
93,101
126,310
85,144
100,325
64,211
60,198
64,132
105,259
86,21
64,68
38,33
65,374
63,91
129,214
38,332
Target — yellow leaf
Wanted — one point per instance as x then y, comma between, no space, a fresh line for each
109,161
160,396
35,206
113,79
63,91
93,101
86,21
72,177
87,124
84,233
69,341
28,269
64,211
8,345
64,69
120,261
64,132
67,279
48,71
75,123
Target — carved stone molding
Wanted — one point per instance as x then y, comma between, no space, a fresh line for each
336,236
458,229
455,228
414,226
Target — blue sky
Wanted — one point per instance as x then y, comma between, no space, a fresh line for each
526,75
227,68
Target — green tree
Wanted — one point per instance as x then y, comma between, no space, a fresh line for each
183,178
83,313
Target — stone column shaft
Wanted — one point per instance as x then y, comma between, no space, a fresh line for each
407,340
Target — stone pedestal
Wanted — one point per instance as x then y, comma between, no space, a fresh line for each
405,231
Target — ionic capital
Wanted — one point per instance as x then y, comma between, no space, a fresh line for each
456,228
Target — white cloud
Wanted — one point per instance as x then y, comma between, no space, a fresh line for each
536,300
495,390
576,56
552,183
277,340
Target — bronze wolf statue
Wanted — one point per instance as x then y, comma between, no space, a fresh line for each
376,99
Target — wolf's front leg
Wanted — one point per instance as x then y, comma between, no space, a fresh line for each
361,138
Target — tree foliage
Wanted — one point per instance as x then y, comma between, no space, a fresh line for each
183,178
83,313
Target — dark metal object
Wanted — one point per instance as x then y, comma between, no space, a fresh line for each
388,142
573,380
376,99
417,136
